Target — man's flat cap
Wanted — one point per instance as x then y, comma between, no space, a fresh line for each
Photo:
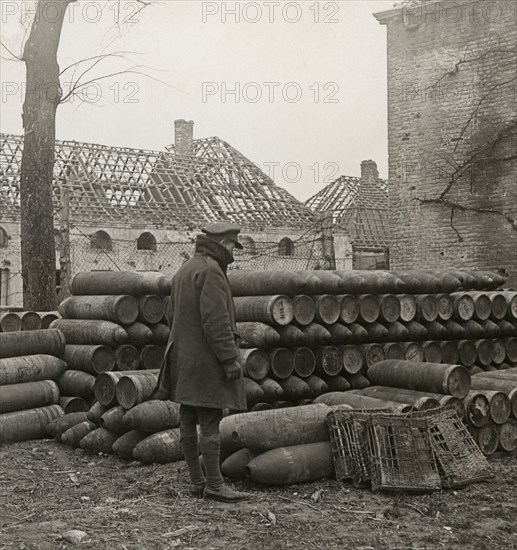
224,229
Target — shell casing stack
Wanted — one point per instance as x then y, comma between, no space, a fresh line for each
31,365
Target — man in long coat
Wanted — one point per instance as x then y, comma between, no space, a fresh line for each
202,369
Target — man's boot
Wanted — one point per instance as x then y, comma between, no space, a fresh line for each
189,446
215,488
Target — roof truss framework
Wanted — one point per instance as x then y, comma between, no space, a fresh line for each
121,185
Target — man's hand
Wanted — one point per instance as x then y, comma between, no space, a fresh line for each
232,370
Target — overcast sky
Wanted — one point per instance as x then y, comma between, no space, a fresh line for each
308,80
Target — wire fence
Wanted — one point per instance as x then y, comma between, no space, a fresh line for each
307,251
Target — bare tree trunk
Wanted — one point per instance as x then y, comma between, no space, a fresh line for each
42,96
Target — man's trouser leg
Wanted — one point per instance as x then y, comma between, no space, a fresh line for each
189,444
210,443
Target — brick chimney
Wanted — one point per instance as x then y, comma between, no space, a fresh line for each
183,136
369,170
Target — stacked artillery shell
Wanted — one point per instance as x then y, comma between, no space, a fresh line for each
452,317
31,366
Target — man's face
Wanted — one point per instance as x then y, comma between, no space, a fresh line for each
228,244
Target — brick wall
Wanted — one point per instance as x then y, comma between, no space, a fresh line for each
451,92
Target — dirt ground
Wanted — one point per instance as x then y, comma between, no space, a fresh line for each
47,489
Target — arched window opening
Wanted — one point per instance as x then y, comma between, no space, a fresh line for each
249,245
100,240
4,238
146,241
286,247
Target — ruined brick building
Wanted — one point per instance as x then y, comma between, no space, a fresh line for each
132,209
452,81
359,207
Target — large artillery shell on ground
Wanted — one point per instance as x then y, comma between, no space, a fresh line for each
255,363
436,331
450,353
357,401
390,308
295,388
31,368
90,359
264,430
499,305
120,282
73,435
28,424
96,411
126,443
487,438
47,317
492,330
328,283
254,393
316,384
473,330
468,352
420,400
432,377
348,308
136,388
261,407
105,387
47,342
289,465
162,447
112,420
127,357
151,357
150,309
78,331
359,333
10,322
73,404
98,441
153,416
369,308
477,408
482,305
427,308
61,423
353,359
378,333
118,309
281,362
394,350
505,374
29,395
339,334
511,300
506,328
304,309
139,334
508,436
272,390
352,283
160,333
304,362
76,383
30,320
379,282
263,283
327,308
258,335
407,307
315,335
357,381
432,352
329,360
277,309
233,467
445,307
337,383
373,353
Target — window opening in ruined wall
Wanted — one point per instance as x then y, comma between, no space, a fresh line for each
100,240
146,241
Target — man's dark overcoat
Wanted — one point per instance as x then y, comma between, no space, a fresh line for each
203,333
